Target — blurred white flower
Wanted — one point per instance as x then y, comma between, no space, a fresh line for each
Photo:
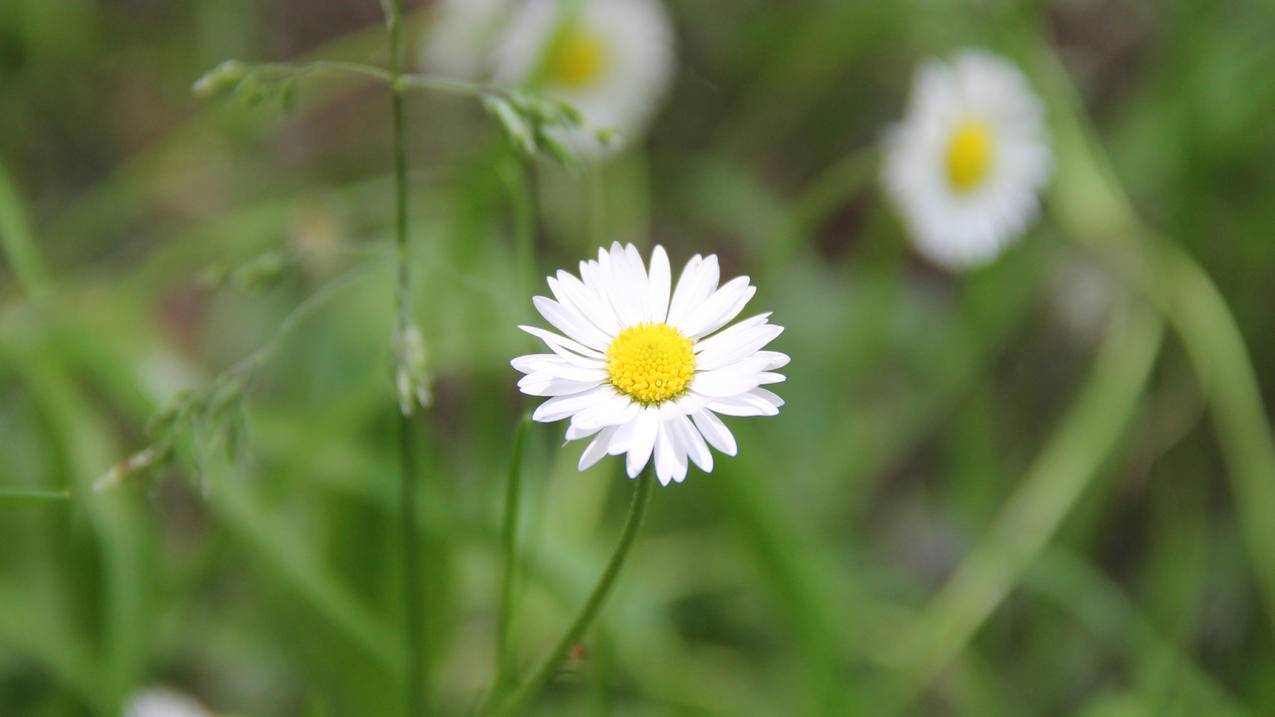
644,373
164,702
967,163
613,61
459,43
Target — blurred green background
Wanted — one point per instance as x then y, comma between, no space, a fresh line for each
936,425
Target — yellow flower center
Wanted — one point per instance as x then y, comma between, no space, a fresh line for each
651,362
578,60
969,155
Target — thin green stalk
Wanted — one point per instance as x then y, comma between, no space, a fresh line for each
289,71
528,690
7,496
522,206
16,238
1091,206
1056,480
412,617
415,677
509,544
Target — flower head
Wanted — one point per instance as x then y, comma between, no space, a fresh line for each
612,60
967,163
643,371
461,38
163,702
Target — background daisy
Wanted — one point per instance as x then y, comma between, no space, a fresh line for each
462,35
644,373
966,164
611,59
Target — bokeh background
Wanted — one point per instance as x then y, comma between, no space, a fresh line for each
153,241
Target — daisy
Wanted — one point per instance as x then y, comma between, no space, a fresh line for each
163,702
460,41
644,373
610,59
967,163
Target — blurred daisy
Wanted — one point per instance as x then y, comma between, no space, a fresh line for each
966,164
644,373
163,702
612,60
460,40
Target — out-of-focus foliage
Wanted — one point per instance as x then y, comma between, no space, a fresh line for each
154,241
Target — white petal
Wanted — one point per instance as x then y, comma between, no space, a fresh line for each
731,346
670,458
596,449
558,367
637,266
738,377
697,283
774,399
642,442
623,434
565,347
575,433
724,305
696,448
714,431
728,335
622,285
613,412
657,294
571,323
591,273
774,359
556,409
766,377
745,404
570,291
690,402
545,384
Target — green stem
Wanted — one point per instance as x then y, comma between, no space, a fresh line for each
1090,204
522,205
1055,481
287,71
25,260
415,677
17,495
532,686
509,543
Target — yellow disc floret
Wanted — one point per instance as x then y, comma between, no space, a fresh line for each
969,155
651,362
578,60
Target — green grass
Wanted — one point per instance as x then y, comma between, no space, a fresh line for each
971,504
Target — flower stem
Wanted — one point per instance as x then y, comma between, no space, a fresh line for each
415,678
1085,439
37,495
509,543
532,686
17,240
1091,206
522,206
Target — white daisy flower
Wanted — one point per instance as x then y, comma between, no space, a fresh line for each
460,40
967,163
644,373
163,702
612,60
